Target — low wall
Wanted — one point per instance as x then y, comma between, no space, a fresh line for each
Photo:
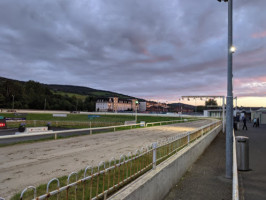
156,184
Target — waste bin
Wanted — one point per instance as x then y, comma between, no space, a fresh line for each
242,152
142,123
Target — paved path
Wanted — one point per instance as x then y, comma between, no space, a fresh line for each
253,183
205,179
33,164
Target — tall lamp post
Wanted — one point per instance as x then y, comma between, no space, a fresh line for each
44,104
229,98
13,102
136,108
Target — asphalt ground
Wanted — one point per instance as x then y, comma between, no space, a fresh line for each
206,178
252,183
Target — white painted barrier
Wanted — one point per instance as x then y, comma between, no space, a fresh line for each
130,122
36,129
60,115
33,130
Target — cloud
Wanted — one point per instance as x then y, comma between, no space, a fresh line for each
141,48
259,35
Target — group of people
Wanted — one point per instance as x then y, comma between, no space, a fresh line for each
256,123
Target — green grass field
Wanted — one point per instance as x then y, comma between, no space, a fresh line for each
84,118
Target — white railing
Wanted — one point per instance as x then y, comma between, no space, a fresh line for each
55,133
235,189
90,130
98,182
167,122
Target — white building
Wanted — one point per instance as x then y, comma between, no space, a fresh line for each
113,104
261,114
213,113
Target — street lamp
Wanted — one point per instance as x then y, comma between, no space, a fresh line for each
229,98
13,101
136,107
232,49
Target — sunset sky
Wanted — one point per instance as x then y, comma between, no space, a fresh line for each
152,49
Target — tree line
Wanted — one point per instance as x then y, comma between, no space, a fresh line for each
34,95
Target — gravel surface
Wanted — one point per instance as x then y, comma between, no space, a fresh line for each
34,164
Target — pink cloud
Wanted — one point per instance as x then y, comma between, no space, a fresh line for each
259,35
253,86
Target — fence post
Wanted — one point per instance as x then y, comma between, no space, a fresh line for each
188,138
114,129
90,129
154,147
55,136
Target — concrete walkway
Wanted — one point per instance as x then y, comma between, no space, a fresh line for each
253,183
205,179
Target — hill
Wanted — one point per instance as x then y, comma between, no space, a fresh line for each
86,91
35,95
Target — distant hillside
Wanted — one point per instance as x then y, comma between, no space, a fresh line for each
87,91
34,95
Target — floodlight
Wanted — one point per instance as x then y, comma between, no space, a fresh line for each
232,49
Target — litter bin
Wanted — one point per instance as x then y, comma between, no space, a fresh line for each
242,152
142,123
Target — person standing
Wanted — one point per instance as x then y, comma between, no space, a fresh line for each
258,122
244,124
255,122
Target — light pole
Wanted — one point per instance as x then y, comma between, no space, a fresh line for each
229,98
13,101
223,115
136,114
44,104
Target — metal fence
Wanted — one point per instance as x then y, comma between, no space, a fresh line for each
89,130
235,189
103,180
166,122
34,123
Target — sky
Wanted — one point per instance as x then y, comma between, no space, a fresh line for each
153,49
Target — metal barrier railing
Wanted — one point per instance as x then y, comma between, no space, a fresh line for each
107,177
90,130
87,124
167,122
235,188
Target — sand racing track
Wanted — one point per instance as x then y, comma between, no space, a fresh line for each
36,163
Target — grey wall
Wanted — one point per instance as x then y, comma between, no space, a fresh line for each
155,185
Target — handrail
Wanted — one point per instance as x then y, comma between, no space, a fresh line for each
184,120
78,130
64,131
123,170
235,189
